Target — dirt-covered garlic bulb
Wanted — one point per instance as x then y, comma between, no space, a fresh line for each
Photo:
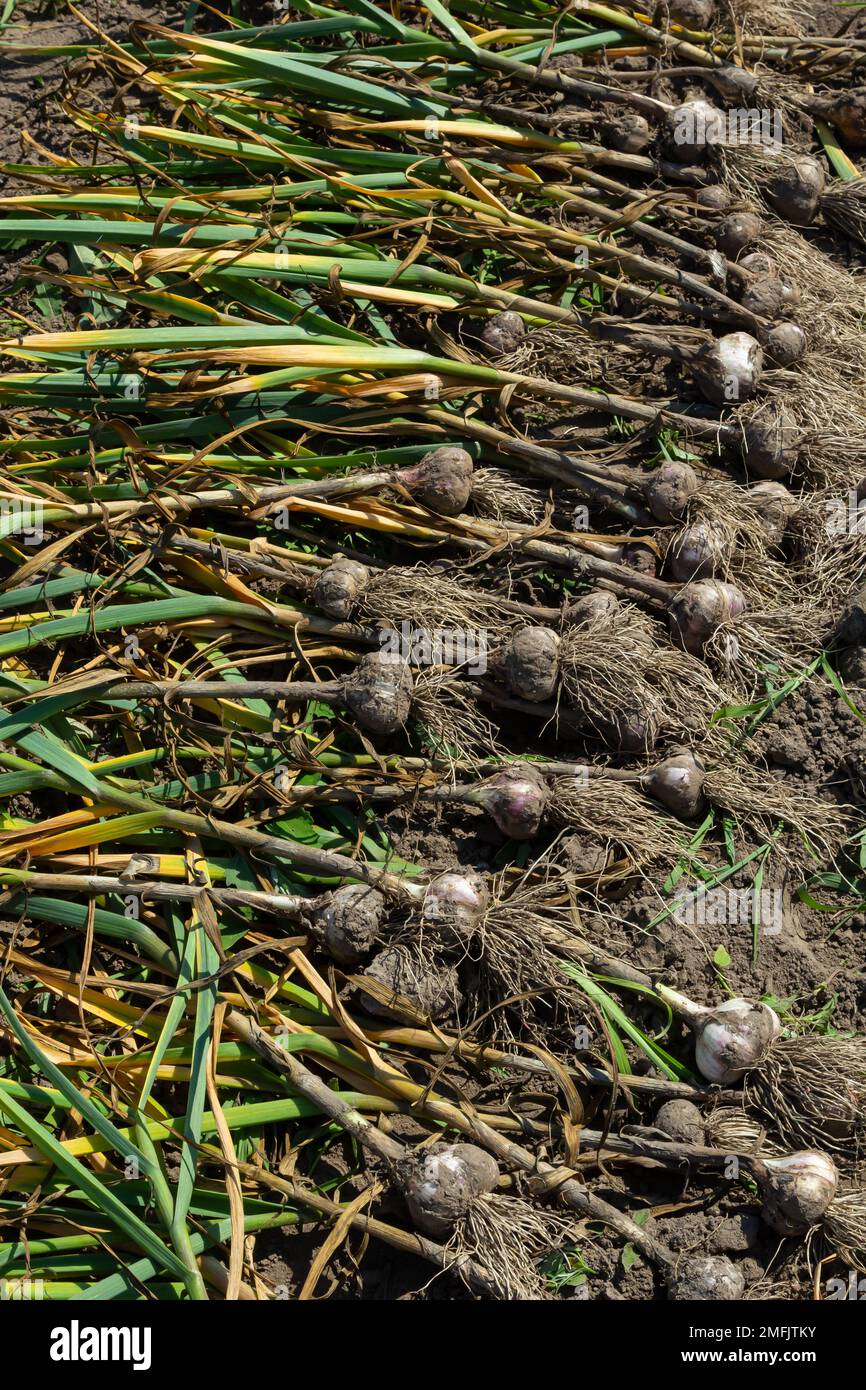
503,332
759,263
785,343
736,85
728,369
692,127
348,922
771,443
692,554
338,588
441,480
707,1278
528,664
851,628
795,189
441,1182
590,608
773,507
696,15
432,991
851,665
379,692
713,198
626,131
737,231
682,1121
847,112
769,296
731,1038
797,1190
669,489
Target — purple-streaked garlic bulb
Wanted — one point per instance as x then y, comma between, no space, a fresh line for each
458,898
515,799
730,1039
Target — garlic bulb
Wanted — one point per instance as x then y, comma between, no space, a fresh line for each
459,898
379,692
707,1278
669,489
728,369
730,1039
441,1183
681,1121
528,664
692,554
348,922
797,1190
398,974
442,481
503,332
700,608
516,799
771,444
338,588
678,784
